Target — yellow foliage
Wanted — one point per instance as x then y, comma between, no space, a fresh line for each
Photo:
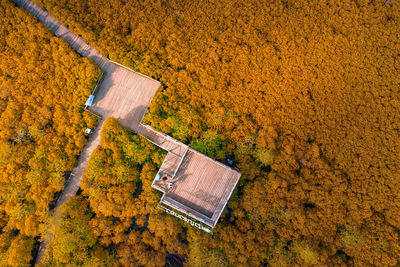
19,253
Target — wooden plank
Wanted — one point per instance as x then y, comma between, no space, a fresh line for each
124,95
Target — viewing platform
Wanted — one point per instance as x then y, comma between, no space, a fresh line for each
191,183
200,186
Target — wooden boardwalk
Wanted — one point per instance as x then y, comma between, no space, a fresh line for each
162,140
201,186
73,183
125,95
60,30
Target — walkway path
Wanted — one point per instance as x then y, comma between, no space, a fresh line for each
83,48
73,182
60,30
126,95
162,140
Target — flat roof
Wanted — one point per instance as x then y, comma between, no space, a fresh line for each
201,187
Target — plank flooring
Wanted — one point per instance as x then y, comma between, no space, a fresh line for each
162,140
60,30
125,95
203,185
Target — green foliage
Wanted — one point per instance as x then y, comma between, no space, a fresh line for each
264,156
179,129
74,242
349,236
279,255
128,147
200,255
305,252
210,144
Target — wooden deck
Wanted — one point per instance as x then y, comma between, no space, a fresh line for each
124,95
201,187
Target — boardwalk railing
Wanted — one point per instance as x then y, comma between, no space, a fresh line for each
91,97
180,162
185,219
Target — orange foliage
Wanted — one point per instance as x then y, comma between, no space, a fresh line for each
315,83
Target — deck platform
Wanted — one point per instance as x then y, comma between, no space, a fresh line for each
201,186
125,95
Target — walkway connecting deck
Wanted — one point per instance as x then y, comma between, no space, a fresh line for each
60,30
192,183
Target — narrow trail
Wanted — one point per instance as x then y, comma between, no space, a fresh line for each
60,30
83,48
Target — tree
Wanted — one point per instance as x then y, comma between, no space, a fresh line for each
19,253
315,83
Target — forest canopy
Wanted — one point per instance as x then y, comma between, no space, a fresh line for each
43,86
302,95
